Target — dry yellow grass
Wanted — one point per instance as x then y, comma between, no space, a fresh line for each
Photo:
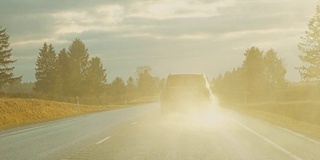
299,116
15,111
309,129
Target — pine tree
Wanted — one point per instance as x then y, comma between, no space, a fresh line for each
40,84
146,83
310,47
118,89
78,65
131,88
6,75
274,70
96,78
253,72
47,77
64,70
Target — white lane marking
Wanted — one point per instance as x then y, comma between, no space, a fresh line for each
103,140
134,123
295,157
34,128
299,135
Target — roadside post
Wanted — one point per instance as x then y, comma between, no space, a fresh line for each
245,99
78,104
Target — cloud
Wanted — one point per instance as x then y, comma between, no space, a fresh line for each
121,19
103,18
39,41
161,20
219,30
171,9
167,37
259,33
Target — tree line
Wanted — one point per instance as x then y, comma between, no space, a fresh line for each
71,73
260,74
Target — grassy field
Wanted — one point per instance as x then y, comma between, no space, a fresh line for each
299,116
305,111
15,112
309,129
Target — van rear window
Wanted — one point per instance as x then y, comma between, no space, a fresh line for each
184,81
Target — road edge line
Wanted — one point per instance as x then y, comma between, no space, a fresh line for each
37,127
295,157
103,140
298,135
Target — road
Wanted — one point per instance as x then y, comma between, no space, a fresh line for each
143,133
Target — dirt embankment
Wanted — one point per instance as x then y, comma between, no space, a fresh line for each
15,112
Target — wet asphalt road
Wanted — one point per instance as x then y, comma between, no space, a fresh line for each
143,133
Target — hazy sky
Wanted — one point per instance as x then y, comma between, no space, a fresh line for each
170,36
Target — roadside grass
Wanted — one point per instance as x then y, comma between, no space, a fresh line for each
305,128
305,111
299,116
16,112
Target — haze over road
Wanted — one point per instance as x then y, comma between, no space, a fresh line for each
143,133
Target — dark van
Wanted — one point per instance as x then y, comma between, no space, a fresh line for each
185,92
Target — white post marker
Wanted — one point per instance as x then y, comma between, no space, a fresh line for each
245,99
78,104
